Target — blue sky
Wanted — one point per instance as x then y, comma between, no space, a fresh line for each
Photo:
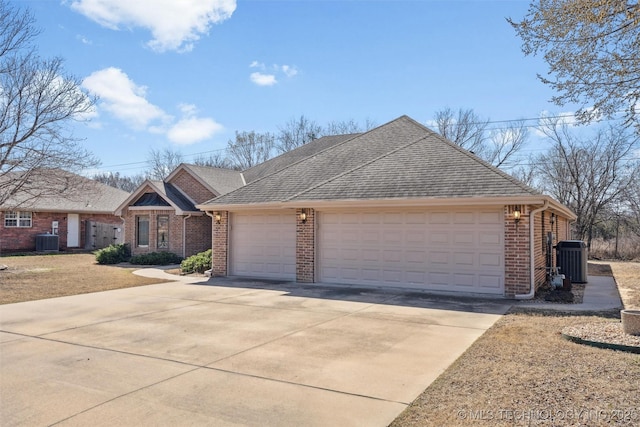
186,75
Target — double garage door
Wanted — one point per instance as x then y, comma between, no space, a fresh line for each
448,250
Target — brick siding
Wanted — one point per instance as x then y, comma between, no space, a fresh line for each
191,187
305,246
15,239
517,259
220,245
516,252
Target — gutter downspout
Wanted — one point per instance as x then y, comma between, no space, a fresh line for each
184,235
532,255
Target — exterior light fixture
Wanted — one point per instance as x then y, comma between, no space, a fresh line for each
217,217
303,217
516,215
553,218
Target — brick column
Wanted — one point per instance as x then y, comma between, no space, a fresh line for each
305,246
516,252
220,244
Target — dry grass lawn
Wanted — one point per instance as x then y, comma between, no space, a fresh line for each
627,275
34,277
522,372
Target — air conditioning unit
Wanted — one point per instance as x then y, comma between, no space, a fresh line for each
47,243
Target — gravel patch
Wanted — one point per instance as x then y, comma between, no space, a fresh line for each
603,333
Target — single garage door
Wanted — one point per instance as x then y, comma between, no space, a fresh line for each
452,250
263,245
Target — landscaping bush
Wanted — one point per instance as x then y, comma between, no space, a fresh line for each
156,258
113,254
198,263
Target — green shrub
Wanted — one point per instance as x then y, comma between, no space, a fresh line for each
156,258
113,254
198,263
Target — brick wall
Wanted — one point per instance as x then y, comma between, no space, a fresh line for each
220,245
516,250
190,186
305,246
175,231
15,239
198,237
517,273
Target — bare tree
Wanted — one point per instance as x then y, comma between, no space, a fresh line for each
217,160
496,146
464,127
38,100
250,148
297,132
591,47
160,163
122,182
588,175
346,127
631,204
503,144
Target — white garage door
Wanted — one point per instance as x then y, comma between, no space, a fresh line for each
453,250
263,245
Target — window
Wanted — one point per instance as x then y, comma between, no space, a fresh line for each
163,231
17,219
142,230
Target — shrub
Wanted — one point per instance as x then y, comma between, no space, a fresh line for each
156,258
113,254
198,263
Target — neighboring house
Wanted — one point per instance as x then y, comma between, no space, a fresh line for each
396,206
76,209
161,215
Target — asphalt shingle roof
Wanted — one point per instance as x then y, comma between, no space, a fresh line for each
68,192
219,179
402,159
278,163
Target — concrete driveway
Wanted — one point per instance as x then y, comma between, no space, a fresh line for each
229,352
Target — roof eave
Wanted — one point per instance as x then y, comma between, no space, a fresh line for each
396,202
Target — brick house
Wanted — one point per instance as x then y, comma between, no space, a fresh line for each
70,207
161,215
396,206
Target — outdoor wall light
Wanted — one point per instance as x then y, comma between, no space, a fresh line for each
516,215
217,217
553,218
303,217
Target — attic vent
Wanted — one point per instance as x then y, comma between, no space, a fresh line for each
151,199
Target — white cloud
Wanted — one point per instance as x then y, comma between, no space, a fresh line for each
263,79
191,129
268,76
174,25
289,71
83,39
123,98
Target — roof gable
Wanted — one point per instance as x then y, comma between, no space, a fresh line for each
216,180
158,193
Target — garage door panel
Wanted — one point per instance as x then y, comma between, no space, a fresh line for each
263,245
454,250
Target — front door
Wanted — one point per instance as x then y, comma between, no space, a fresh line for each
73,230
